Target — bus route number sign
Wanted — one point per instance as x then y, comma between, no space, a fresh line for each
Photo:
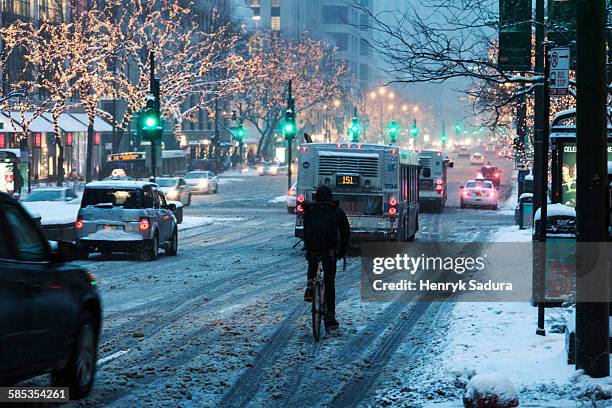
347,180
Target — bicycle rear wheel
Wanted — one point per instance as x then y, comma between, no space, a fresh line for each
317,304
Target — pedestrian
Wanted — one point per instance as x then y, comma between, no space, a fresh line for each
326,236
17,180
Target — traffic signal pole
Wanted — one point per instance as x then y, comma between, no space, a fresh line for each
592,337
290,107
540,178
152,87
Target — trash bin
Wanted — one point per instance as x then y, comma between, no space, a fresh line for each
560,266
523,214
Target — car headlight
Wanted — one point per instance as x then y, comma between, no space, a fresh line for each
172,194
203,183
274,169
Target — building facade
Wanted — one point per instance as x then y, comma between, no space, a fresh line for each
292,18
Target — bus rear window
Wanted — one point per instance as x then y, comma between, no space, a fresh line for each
353,204
126,198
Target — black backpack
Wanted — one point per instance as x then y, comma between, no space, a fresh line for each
320,228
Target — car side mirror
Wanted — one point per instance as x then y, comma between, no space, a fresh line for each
451,164
62,251
172,207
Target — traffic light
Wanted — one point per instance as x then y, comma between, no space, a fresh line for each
414,131
151,122
354,130
239,133
393,129
289,127
443,137
458,127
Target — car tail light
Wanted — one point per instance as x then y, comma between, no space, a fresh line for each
144,224
466,193
79,223
496,175
491,194
291,192
301,199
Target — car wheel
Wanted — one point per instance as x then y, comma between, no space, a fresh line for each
462,205
179,216
494,207
215,190
80,371
173,248
150,249
189,199
82,252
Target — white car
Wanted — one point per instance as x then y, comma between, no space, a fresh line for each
175,189
202,181
477,158
291,199
479,193
51,194
463,151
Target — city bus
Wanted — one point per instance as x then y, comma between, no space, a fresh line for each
433,190
376,186
136,164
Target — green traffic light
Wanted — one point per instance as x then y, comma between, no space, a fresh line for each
150,122
289,127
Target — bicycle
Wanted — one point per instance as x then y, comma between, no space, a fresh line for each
319,307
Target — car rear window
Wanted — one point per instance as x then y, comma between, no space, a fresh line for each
118,197
479,184
196,175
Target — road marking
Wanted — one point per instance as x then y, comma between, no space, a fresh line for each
112,356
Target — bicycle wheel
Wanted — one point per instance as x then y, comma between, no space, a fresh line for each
316,310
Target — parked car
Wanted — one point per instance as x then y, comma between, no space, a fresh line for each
50,311
51,194
126,216
479,193
175,189
477,158
202,181
463,151
292,199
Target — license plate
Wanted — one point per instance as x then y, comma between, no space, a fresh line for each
478,194
110,227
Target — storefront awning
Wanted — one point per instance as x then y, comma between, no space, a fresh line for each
100,125
67,123
39,124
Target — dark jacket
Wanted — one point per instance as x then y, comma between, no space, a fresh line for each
325,228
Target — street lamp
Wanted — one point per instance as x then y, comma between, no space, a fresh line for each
391,95
381,90
416,108
405,108
336,103
372,95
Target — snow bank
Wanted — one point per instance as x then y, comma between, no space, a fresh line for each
490,389
224,181
512,234
192,222
53,212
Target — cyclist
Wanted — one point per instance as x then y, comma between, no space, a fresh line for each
326,235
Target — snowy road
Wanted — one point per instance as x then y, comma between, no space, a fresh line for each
224,323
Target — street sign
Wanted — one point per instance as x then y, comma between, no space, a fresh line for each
514,35
559,71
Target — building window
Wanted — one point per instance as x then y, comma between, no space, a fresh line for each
275,23
364,72
364,48
275,3
47,9
335,15
341,40
21,7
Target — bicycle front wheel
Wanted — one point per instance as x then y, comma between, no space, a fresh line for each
317,304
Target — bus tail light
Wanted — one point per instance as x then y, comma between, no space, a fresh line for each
439,188
144,224
392,206
299,209
301,198
79,223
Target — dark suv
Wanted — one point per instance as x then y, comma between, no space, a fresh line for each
50,312
491,173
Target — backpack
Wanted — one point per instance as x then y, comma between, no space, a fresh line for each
320,228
